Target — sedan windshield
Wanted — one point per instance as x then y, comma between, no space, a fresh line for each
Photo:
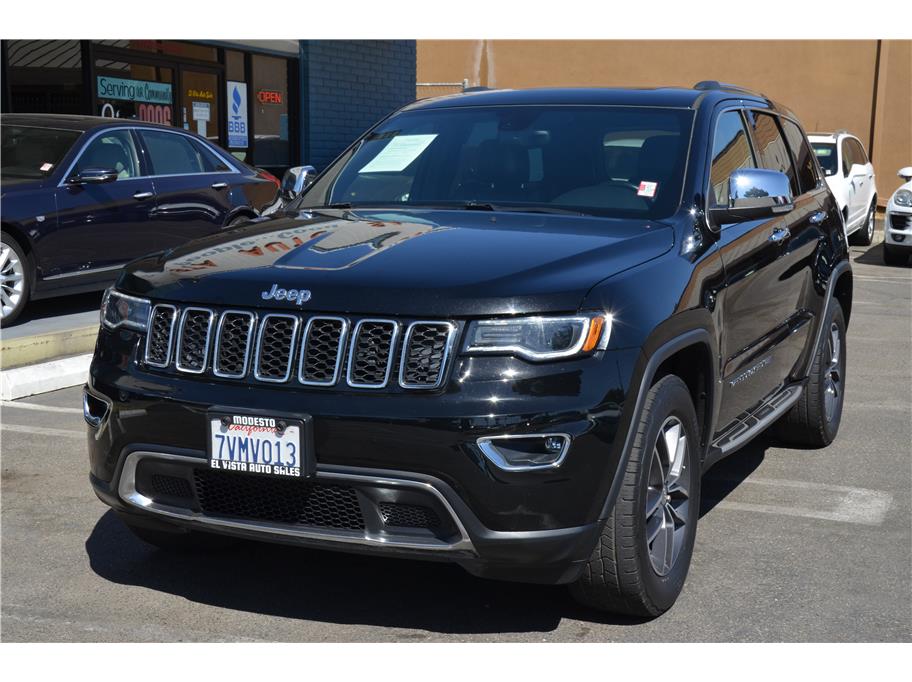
33,153
826,155
599,160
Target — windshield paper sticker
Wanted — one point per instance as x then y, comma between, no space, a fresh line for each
647,189
398,153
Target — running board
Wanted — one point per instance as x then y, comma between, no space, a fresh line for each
752,424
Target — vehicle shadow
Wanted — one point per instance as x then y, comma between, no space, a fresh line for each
307,584
44,309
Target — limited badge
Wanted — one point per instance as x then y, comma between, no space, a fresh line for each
647,189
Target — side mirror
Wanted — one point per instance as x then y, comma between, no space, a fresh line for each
295,180
93,176
905,173
754,194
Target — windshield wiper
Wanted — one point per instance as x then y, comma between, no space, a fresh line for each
483,206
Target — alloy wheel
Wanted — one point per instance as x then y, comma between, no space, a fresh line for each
12,281
870,227
667,496
832,379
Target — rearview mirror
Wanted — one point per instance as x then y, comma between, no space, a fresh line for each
295,180
754,194
93,176
905,173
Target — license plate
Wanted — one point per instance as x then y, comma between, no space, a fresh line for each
257,445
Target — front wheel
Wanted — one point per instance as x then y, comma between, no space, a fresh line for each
14,280
642,557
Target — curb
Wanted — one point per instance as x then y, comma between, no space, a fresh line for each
28,350
43,377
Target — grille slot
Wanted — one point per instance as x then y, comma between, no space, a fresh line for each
408,515
275,346
284,501
321,351
169,486
898,221
193,340
232,344
424,354
158,339
370,357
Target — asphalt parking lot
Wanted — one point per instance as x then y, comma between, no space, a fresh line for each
793,545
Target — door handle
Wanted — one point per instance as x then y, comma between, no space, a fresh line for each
780,234
219,185
139,196
818,217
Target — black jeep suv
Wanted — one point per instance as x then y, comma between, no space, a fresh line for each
509,329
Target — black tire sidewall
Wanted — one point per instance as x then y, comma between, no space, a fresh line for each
27,278
672,399
831,428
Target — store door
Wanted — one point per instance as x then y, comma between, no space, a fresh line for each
200,112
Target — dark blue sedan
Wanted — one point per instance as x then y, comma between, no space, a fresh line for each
83,195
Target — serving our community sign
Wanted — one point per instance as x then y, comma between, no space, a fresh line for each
133,90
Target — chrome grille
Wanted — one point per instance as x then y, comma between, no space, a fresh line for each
370,357
158,340
193,340
232,344
275,346
244,347
322,351
424,354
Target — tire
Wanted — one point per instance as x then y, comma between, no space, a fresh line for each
864,236
15,280
814,420
179,541
894,256
627,573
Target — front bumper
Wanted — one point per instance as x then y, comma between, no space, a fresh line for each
411,450
898,227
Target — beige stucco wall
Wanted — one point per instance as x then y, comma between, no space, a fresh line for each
829,84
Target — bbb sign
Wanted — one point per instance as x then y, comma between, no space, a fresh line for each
237,114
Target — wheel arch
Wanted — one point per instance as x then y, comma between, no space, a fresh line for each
16,233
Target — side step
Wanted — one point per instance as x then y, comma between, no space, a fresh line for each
749,425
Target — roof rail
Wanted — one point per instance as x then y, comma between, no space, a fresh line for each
716,85
477,88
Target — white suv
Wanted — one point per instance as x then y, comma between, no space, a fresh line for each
898,222
850,175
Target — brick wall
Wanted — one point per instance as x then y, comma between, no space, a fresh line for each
347,86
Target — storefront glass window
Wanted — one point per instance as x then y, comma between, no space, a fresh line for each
138,91
45,76
199,106
270,111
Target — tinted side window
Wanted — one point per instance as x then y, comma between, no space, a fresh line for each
112,150
858,152
172,154
211,162
730,151
847,156
804,158
771,150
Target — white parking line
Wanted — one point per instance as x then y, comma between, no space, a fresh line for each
43,431
40,408
844,504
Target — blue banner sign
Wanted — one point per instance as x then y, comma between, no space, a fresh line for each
134,91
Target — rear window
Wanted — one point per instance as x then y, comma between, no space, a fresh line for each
600,160
826,156
33,153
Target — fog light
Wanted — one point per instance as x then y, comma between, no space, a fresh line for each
523,452
899,237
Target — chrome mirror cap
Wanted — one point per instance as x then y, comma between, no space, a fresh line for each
295,180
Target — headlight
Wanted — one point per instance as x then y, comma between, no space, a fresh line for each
903,198
541,338
121,310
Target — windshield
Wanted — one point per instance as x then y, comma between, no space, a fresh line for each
33,153
600,160
826,154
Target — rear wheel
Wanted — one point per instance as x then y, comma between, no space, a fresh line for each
865,235
894,256
814,420
14,280
642,557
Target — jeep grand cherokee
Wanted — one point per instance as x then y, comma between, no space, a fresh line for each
509,329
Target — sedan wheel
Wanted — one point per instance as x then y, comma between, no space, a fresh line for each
13,284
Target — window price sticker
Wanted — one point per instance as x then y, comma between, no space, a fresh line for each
647,189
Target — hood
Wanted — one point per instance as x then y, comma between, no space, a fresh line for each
415,263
